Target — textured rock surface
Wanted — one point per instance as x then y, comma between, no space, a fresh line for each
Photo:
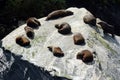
24,63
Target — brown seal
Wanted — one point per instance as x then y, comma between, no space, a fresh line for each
78,39
22,41
63,28
85,55
33,22
89,19
107,28
59,14
56,51
29,32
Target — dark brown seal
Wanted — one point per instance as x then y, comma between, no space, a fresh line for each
22,41
89,19
56,51
85,55
59,14
63,28
33,22
78,39
107,28
29,32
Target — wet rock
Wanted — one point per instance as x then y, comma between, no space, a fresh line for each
56,51
33,22
78,39
85,56
58,14
29,32
89,19
22,41
63,28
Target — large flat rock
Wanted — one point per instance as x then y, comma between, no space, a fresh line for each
106,64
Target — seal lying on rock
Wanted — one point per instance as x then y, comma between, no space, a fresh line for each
85,55
56,51
107,28
63,28
58,14
89,19
22,41
33,22
29,31
78,39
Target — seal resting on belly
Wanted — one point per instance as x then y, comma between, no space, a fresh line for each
58,14
56,51
85,56
22,41
29,32
63,28
33,22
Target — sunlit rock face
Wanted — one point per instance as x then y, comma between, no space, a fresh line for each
36,62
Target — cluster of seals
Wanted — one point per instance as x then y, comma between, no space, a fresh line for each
86,56
63,28
33,22
78,39
89,19
56,51
29,32
58,14
22,41
107,28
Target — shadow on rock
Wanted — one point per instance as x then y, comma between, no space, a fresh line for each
14,68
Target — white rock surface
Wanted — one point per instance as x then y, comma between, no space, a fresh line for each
106,64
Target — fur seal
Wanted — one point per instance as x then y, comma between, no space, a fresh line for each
58,14
89,19
85,55
56,51
78,39
29,32
63,28
22,41
33,22
107,28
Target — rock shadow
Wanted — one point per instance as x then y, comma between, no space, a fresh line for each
111,39
22,69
